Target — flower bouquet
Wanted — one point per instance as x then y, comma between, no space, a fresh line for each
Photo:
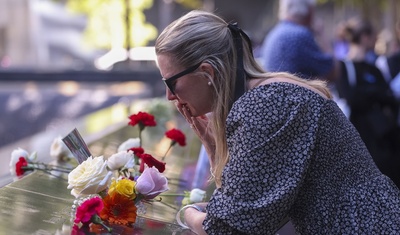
110,191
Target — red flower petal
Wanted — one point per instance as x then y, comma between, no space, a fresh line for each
151,161
87,209
136,150
142,118
18,166
177,136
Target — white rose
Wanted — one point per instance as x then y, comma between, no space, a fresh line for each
197,195
130,143
90,177
15,155
118,160
58,150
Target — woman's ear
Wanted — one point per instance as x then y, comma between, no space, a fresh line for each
207,68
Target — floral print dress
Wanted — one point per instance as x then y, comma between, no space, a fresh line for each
294,154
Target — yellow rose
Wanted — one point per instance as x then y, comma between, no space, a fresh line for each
124,187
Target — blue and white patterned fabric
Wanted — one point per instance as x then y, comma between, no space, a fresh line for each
294,154
290,47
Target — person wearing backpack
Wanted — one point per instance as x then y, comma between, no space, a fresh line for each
373,106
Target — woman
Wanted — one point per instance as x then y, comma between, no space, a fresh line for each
279,147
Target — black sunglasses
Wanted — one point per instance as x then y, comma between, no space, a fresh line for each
169,82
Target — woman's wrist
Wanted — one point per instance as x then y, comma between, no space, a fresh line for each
181,212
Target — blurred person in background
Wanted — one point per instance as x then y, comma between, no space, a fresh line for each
373,107
202,172
291,45
389,63
340,44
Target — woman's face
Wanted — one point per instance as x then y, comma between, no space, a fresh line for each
192,90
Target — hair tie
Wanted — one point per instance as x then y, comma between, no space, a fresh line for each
240,82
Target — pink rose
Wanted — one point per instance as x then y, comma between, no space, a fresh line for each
151,183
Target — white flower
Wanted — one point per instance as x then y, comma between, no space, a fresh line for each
120,159
59,151
15,155
197,195
90,177
130,143
32,157
194,196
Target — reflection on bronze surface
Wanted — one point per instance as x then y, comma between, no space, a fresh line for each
41,204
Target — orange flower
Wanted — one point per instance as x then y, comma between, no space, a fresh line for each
118,209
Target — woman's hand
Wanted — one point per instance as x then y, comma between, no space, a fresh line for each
200,126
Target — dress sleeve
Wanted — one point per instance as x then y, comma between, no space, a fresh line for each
271,144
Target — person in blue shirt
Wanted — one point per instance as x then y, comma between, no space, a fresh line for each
291,47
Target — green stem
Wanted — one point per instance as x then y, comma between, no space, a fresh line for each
97,220
47,167
106,227
171,194
138,198
28,168
48,172
170,146
141,127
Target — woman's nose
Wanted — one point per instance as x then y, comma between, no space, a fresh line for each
169,94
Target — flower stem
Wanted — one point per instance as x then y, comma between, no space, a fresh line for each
97,220
141,127
170,146
106,227
47,167
171,194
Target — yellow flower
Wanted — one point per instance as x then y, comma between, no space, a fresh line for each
124,187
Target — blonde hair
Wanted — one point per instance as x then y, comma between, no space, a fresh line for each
201,36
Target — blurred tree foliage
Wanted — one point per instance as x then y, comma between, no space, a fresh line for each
191,4
106,22
366,6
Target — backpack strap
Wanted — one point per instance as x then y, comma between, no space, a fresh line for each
351,72
382,64
395,85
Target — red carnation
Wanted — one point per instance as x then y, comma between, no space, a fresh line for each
19,166
88,209
143,119
151,161
176,136
136,150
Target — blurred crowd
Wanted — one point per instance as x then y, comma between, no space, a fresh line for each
361,65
